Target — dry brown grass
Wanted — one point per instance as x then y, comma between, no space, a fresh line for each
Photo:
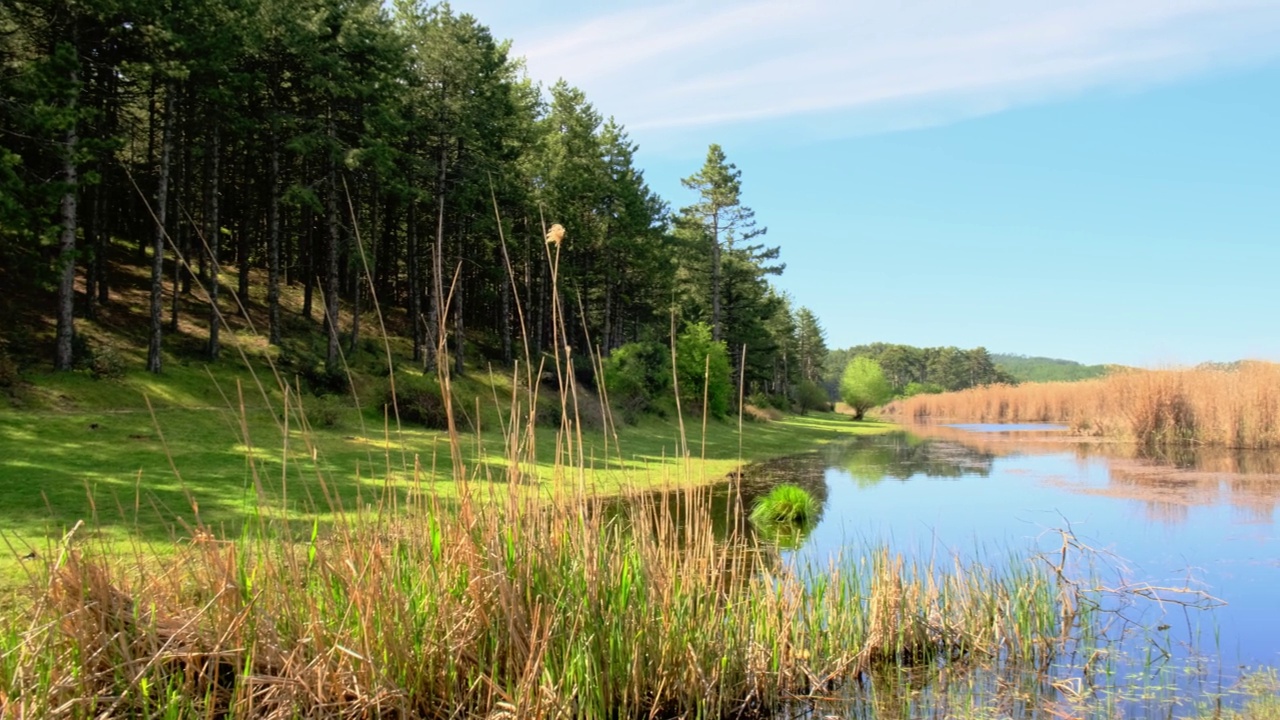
1236,408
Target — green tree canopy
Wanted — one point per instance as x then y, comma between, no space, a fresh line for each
702,365
864,386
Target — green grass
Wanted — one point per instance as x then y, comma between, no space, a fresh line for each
786,515
786,503
145,456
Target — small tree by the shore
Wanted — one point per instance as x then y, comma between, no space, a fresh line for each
864,386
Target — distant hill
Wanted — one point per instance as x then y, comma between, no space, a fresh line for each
1042,369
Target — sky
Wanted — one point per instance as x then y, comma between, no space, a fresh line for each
1093,180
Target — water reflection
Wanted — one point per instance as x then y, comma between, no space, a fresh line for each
1167,482
1203,513
901,456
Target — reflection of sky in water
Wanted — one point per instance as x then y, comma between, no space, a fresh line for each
939,496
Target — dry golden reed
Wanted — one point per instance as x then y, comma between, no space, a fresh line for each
1233,407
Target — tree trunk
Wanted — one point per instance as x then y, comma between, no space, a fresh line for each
715,279
458,327
242,252
505,319
181,276
309,264
102,231
415,286
273,240
331,263
93,263
436,325
213,238
154,363
62,359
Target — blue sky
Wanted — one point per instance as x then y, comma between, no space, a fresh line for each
1094,180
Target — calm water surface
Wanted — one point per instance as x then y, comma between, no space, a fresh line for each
1200,520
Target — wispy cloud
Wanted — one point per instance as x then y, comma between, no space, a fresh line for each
678,66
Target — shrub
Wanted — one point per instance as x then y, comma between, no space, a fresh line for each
418,401
811,396
786,515
319,380
756,413
702,365
914,388
635,375
323,413
106,364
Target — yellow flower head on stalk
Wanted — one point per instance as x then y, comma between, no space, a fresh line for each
555,234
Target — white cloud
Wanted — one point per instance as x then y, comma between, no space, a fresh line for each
679,66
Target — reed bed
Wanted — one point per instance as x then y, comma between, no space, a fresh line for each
1236,407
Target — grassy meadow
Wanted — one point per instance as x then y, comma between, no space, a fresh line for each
155,456
1236,407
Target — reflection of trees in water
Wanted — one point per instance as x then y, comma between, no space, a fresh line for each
1167,479
901,456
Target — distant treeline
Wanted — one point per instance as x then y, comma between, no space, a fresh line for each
912,370
1043,369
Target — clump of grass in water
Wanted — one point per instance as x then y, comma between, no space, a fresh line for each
786,503
786,515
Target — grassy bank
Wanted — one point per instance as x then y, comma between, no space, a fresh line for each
152,456
1237,407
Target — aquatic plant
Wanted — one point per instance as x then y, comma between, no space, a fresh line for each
786,503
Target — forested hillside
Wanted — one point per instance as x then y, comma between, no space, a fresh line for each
912,370
353,151
1042,369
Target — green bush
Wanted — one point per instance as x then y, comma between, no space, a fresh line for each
107,364
786,503
636,375
418,401
323,413
702,365
811,396
917,388
786,515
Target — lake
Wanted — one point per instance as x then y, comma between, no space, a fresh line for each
1196,528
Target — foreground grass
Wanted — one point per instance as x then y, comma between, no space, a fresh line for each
523,608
